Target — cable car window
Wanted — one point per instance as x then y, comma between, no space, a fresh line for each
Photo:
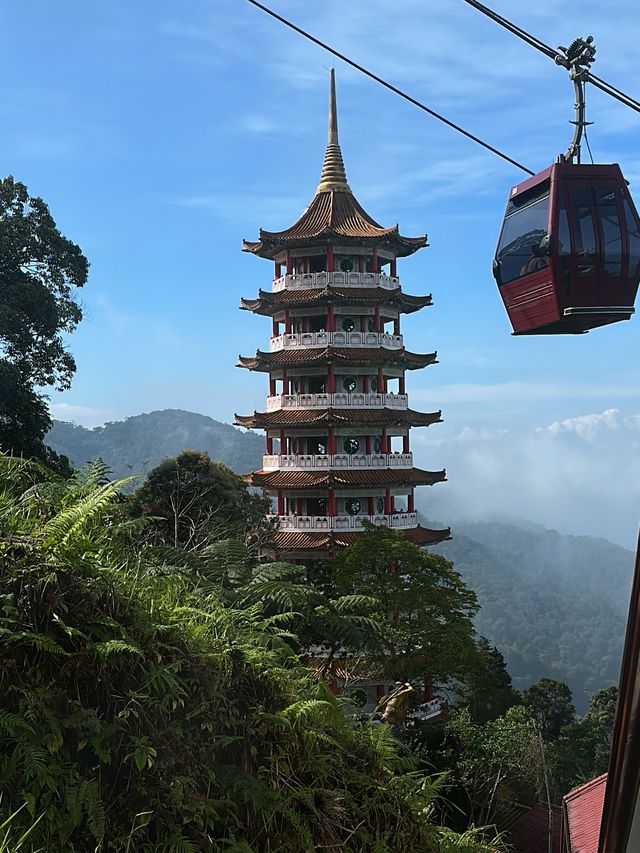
586,262
606,200
633,234
519,247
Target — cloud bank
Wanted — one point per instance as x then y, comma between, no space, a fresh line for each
580,475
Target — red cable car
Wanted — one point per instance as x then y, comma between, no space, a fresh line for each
568,257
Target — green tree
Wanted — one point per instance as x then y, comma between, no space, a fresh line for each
199,501
494,764
428,608
488,691
551,703
39,269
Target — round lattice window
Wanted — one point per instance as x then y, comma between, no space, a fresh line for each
371,325
349,383
348,324
380,505
373,384
346,265
351,445
377,445
352,506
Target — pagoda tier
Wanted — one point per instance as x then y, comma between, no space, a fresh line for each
271,303
337,419
356,357
331,417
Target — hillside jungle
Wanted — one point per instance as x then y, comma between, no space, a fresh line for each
164,690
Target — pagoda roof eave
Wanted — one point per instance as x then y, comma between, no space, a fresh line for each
344,478
313,417
334,216
356,357
269,302
326,542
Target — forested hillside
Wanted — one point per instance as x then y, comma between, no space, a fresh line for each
554,605
138,444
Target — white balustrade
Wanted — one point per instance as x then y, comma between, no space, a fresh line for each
340,339
324,462
398,520
311,280
358,400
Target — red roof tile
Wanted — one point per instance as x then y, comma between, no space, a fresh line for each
583,815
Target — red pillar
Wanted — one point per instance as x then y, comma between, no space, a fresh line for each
377,325
331,380
372,506
367,443
384,441
380,381
401,385
331,503
269,445
285,381
283,443
405,443
287,323
289,263
272,387
280,502
411,502
331,318
275,328
396,326
365,384
374,259
394,267
388,503
361,263
330,261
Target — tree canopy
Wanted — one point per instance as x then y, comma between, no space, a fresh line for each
39,270
199,499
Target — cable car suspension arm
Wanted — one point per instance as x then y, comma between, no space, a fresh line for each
605,87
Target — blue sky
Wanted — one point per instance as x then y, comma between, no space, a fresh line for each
162,133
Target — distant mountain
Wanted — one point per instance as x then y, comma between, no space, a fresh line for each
554,605
138,444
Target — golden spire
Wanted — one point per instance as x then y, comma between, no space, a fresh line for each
333,176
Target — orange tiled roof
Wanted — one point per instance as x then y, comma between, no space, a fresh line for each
327,541
269,302
385,477
330,215
314,417
356,357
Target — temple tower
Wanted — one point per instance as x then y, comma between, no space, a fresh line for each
337,418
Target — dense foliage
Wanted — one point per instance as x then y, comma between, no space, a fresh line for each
140,443
139,711
39,270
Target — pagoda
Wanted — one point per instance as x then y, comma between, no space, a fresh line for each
337,418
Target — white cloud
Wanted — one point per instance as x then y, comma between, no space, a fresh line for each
580,475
